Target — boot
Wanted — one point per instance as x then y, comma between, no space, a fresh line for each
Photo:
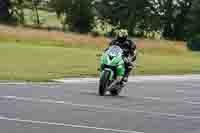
125,78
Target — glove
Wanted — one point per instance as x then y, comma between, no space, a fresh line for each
126,60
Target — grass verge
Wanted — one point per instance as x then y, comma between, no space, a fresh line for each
42,63
32,58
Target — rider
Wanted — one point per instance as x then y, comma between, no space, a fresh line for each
129,49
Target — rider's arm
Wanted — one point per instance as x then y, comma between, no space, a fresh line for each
110,44
113,42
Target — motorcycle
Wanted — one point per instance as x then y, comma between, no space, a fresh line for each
112,70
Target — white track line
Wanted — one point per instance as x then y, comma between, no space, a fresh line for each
65,125
183,100
134,79
131,79
170,116
160,99
30,83
172,100
188,91
12,83
191,85
169,100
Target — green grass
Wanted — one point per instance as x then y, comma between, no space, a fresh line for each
175,64
44,61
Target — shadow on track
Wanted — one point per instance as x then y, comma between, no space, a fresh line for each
108,96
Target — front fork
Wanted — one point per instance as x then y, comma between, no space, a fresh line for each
110,71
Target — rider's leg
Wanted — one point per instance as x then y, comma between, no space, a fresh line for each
126,74
129,67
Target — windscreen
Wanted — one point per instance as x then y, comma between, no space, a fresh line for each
114,51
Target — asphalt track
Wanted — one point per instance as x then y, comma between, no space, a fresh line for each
164,106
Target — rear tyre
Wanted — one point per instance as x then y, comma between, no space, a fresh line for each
114,92
104,83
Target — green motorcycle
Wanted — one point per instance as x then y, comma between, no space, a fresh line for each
111,71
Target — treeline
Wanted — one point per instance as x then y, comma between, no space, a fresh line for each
173,19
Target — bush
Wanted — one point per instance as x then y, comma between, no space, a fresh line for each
152,35
147,34
194,44
101,28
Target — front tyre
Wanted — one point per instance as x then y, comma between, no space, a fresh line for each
104,81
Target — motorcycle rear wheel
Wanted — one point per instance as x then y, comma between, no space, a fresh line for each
115,92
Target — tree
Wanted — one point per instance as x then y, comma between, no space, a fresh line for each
181,19
192,26
60,7
172,15
13,10
18,10
78,13
125,13
35,4
4,10
80,16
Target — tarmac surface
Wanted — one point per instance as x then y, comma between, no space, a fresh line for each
146,106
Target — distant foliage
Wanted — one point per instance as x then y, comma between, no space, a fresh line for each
176,19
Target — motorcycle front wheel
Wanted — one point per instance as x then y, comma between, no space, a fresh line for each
104,82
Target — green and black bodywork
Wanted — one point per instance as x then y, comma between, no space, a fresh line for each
111,71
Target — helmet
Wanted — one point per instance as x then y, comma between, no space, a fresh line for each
122,35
